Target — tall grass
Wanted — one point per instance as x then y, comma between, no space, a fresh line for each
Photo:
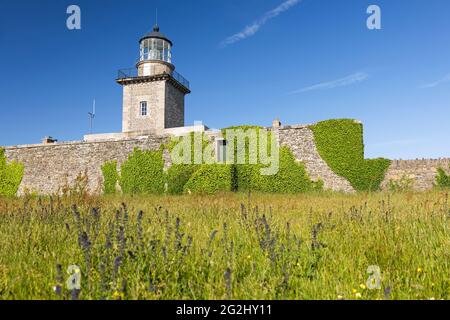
229,246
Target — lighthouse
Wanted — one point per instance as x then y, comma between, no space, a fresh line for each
153,92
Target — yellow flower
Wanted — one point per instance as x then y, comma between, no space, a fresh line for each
340,297
118,295
358,295
249,257
354,290
419,270
362,286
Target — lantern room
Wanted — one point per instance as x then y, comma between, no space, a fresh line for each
155,46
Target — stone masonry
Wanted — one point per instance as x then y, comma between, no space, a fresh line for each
422,173
300,140
48,168
165,104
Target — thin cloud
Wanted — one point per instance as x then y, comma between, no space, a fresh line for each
253,28
436,83
343,82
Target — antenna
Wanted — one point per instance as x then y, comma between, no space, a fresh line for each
91,117
156,16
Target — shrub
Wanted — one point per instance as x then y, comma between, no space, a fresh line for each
11,175
110,177
442,179
340,144
212,178
403,185
143,172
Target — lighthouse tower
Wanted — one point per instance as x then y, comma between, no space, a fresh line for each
153,93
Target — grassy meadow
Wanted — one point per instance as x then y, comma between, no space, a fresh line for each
228,246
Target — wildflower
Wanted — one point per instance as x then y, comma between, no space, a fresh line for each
117,263
419,270
354,291
387,292
249,257
57,289
340,297
362,286
118,295
358,295
228,282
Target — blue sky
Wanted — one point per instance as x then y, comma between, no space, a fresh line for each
248,61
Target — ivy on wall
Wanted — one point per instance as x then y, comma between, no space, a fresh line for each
340,144
442,179
110,177
245,173
143,173
179,174
291,177
211,179
177,177
11,175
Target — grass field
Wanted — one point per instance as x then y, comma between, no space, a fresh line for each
230,246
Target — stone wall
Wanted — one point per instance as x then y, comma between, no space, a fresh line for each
300,139
174,112
48,168
422,173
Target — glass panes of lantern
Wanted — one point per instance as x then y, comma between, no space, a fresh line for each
155,49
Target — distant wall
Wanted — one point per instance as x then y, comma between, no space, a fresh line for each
421,172
50,167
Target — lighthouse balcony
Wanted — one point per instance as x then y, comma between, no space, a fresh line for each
132,74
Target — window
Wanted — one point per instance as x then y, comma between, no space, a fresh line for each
221,150
143,109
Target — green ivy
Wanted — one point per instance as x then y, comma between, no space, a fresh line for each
211,179
11,175
246,174
177,177
340,144
442,179
143,172
291,177
110,177
179,174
